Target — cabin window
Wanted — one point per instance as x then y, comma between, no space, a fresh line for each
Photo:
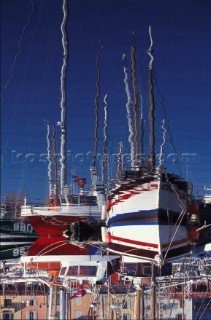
63,270
59,279
51,279
72,271
131,272
88,271
147,271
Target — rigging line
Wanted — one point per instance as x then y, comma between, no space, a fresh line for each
128,107
205,308
96,109
179,220
203,227
63,96
41,255
201,306
135,106
12,68
52,244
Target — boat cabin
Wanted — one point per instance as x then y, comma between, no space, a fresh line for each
88,269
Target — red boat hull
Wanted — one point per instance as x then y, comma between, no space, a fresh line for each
55,225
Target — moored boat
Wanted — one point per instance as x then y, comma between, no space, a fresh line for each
149,210
54,219
16,238
63,207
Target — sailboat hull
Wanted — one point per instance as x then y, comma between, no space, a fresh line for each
148,220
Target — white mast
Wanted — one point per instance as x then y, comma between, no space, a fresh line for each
152,105
63,100
105,147
130,126
49,161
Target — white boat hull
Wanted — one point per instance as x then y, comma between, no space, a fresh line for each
148,221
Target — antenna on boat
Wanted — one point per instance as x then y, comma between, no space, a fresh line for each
135,106
62,123
152,105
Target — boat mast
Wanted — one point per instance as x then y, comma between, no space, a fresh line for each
49,161
63,178
55,167
135,107
94,169
130,125
119,161
105,144
152,106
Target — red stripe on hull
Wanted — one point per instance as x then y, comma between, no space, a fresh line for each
127,195
139,243
132,251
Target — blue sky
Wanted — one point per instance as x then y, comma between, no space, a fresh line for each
31,60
